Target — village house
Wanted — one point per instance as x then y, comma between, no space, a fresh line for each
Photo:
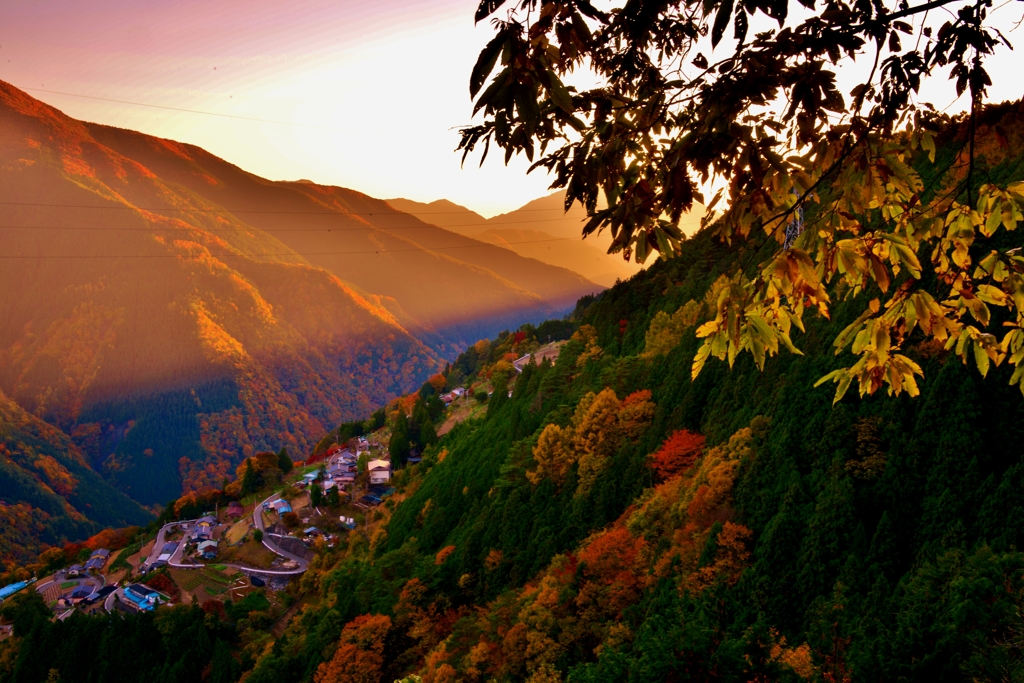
165,554
208,549
280,506
235,509
380,471
142,597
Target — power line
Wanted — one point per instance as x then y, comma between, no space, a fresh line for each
293,253
244,227
338,212
247,226
187,111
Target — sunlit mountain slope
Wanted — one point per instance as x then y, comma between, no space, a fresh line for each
439,284
541,230
215,338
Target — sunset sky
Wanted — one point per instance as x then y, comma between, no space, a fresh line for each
363,95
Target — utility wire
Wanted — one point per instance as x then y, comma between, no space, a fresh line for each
246,227
338,212
293,253
187,111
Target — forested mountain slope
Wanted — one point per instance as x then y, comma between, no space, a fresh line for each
611,519
586,531
442,286
48,492
170,345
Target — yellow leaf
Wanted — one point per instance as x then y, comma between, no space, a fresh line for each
991,295
981,358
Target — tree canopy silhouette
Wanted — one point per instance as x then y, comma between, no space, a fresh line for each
839,193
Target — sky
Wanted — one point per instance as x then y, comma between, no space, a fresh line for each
365,95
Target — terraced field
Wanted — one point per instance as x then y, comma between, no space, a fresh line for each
205,584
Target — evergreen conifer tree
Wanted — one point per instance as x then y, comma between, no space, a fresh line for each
284,461
399,444
249,479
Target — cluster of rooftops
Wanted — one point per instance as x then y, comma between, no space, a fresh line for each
342,469
97,560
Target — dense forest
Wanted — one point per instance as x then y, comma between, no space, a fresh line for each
609,518
49,494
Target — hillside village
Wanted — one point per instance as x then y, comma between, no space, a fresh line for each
245,549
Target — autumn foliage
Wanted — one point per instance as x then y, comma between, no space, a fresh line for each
165,585
359,656
599,427
677,454
684,532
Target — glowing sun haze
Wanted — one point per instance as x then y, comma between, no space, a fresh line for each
372,93
369,94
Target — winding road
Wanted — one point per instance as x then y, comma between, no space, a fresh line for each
257,519
176,560
268,543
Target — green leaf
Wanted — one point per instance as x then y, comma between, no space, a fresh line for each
698,361
928,145
788,343
991,295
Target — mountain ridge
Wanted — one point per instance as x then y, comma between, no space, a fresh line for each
541,229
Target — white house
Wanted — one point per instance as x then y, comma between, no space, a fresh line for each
380,471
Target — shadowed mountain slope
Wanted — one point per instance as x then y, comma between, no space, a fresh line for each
48,492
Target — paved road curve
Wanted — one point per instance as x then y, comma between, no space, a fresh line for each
176,558
268,541
159,544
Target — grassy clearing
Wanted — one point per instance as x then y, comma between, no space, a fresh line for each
238,530
301,501
463,409
121,562
215,576
250,554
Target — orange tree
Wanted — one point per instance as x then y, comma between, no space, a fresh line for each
829,177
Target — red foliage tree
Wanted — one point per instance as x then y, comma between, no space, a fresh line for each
677,454
165,585
359,656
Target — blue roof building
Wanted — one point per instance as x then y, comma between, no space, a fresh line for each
9,590
142,597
